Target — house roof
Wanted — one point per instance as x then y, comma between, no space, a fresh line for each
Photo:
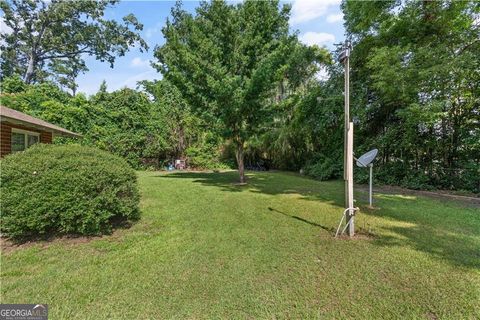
22,118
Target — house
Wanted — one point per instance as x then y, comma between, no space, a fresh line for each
18,131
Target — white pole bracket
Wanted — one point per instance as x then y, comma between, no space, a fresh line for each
351,211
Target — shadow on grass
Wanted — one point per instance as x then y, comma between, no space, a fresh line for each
267,183
444,231
302,220
457,249
52,236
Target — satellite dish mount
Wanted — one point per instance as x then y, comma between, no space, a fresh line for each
366,160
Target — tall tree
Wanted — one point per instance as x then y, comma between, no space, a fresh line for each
227,61
45,36
416,74
65,72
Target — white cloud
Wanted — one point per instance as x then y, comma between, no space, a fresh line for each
131,82
318,38
332,18
4,29
307,10
138,62
150,32
90,83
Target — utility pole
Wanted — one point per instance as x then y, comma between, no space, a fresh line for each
344,58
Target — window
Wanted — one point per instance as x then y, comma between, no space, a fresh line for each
18,141
22,139
31,139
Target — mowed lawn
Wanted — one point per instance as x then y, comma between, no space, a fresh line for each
206,248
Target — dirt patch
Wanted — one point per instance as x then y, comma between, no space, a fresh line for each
119,228
472,201
360,234
356,237
7,245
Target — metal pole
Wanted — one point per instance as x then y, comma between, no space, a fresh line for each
370,196
346,124
348,144
351,212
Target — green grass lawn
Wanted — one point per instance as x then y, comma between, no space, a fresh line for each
206,248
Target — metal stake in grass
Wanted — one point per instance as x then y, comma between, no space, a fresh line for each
345,212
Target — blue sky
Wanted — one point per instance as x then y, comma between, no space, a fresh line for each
317,21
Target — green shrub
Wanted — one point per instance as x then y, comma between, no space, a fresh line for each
65,189
465,176
395,174
198,159
206,156
325,168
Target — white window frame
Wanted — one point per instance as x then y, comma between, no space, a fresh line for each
26,133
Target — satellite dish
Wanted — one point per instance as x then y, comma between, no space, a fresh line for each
367,158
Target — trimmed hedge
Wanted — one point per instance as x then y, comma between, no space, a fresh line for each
68,189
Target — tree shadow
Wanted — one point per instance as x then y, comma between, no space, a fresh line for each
459,250
447,232
52,236
302,219
267,183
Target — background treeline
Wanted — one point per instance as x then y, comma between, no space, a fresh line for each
415,95
149,127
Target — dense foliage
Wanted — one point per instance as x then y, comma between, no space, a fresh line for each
415,95
416,89
237,92
228,61
69,189
149,129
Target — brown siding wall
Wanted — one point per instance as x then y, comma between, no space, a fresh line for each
45,137
6,136
5,139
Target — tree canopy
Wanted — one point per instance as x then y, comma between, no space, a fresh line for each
50,39
416,77
228,61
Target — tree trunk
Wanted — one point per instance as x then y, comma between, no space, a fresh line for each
181,139
455,143
241,166
30,70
